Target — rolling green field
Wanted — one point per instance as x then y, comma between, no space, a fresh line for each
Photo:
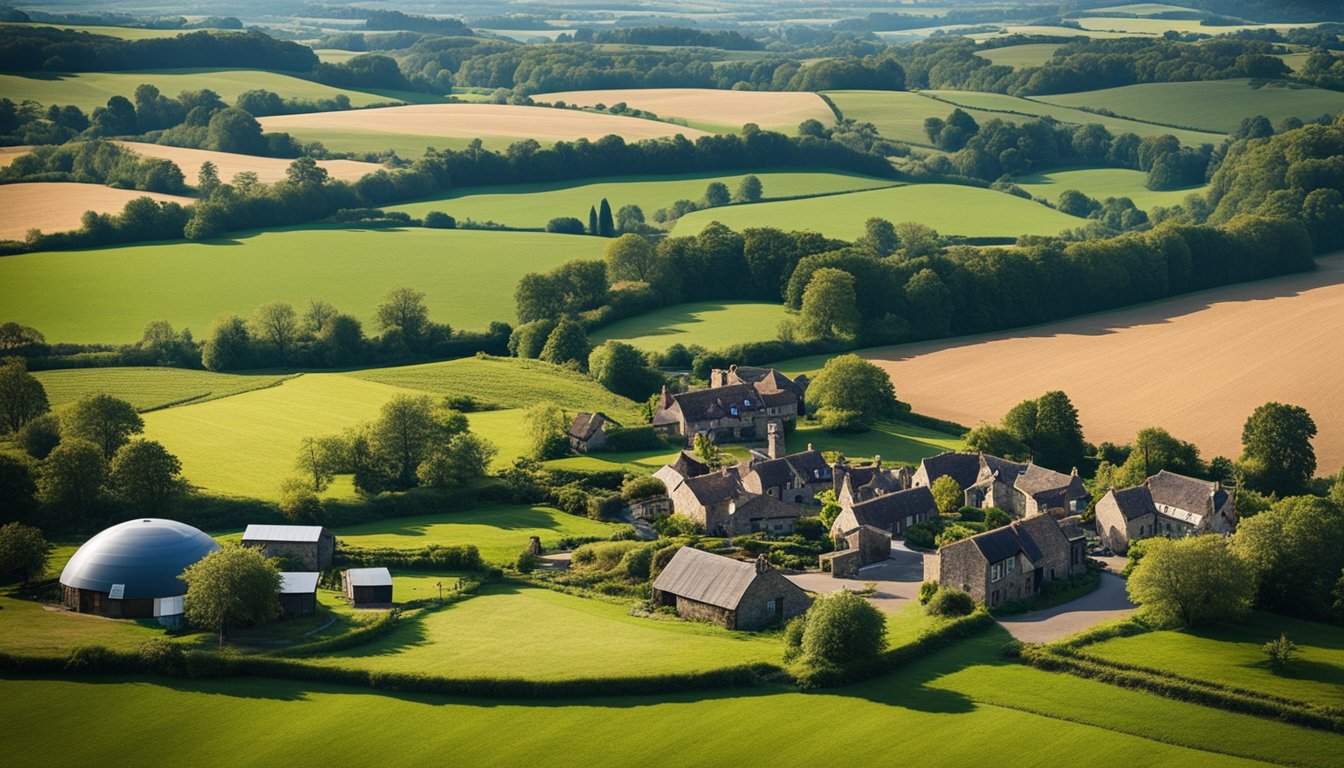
538,634
532,205
468,277
1213,105
147,388
711,324
87,90
946,709
894,441
1050,106
28,627
941,206
1101,183
1231,655
1016,56
500,533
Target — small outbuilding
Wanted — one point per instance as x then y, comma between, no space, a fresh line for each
368,586
312,545
131,570
589,431
298,593
728,592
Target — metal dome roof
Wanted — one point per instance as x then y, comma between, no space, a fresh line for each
145,555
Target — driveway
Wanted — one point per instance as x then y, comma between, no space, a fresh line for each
896,580
1108,601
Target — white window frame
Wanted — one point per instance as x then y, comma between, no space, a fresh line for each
996,572
1009,565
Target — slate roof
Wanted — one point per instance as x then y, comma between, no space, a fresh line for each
715,487
1033,537
687,466
963,467
885,510
1007,470
706,578
587,424
298,582
1183,493
306,534
1036,479
811,466
718,402
999,544
1134,502
759,506
369,577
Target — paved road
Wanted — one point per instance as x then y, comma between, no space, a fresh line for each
1108,601
897,580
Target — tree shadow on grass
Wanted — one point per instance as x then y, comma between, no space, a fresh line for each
237,687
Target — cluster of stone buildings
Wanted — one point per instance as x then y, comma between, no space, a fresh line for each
738,405
1166,504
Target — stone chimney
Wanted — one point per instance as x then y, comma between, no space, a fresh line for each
877,461
762,565
809,446
774,440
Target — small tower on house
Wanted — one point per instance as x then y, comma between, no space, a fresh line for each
774,440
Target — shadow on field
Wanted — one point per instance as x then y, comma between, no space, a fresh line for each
673,316
507,520
236,687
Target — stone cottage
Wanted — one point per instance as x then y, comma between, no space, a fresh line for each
720,503
1167,504
312,545
589,431
1011,563
731,409
891,512
854,484
728,592
1025,490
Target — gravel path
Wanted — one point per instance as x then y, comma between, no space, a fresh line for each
1108,601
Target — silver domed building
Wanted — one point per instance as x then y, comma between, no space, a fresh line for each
131,570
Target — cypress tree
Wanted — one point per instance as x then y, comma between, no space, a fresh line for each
605,226
592,220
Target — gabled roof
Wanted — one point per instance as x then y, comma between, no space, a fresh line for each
718,402
1006,470
761,506
1184,493
687,465
369,577
1033,537
811,466
998,544
885,510
962,467
306,534
298,582
1036,479
716,487
1134,502
587,424
706,578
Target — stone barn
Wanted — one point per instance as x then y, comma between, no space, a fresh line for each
728,592
368,586
298,593
312,545
131,570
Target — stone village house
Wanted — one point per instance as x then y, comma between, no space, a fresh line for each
1167,504
589,431
1021,490
1013,562
312,545
732,408
737,595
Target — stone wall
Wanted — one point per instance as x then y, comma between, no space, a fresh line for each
696,611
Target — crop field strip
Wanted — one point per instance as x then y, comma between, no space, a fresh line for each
147,388
268,169
468,277
58,206
1017,56
709,108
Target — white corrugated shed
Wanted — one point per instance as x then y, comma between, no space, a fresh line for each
298,582
369,577
297,533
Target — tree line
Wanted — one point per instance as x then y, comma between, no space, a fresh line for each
34,49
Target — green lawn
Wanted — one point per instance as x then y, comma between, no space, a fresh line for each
147,388
1101,183
1051,106
948,709
87,90
711,324
109,294
538,634
630,461
28,627
1214,105
1016,56
900,115
944,207
500,533
893,441
532,205
1231,655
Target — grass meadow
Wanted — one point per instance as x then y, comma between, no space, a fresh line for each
123,33
1230,655
1017,56
711,324
532,205
500,533
107,295
941,206
893,441
87,90
148,388
1212,105
1101,183
710,109
945,708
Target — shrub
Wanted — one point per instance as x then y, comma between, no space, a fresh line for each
24,553
566,225
608,507
602,555
950,602
644,487
793,638
1280,652
661,558
527,562
995,518
440,220
926,591
162,656
954,532
843,629
637,562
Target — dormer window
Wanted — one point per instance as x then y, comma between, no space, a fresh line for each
746,402
733,410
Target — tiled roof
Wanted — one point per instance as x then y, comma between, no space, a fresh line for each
715,487
587,424
962,467
1183,493
706,578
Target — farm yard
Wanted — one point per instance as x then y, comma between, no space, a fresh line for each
709,109
941,206
55,206
245,270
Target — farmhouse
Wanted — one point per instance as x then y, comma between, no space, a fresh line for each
962,467
368,586
1024,490
798,477
854,484
589,431
311,545
131,570
721,590
891,512
724,507
1010,563
1167,504
732,408
298,593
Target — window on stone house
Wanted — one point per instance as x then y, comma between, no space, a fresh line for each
1009,565
996,572
733,410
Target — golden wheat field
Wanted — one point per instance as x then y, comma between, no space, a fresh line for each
58,205
1196,365
268,169
478,121
705,106
7,154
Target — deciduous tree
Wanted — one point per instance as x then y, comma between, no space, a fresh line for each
24,553
104,420
1192,581
547,430
830,309
70,480
233,587
947,494
22,396
1276,449
146,477
854,389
